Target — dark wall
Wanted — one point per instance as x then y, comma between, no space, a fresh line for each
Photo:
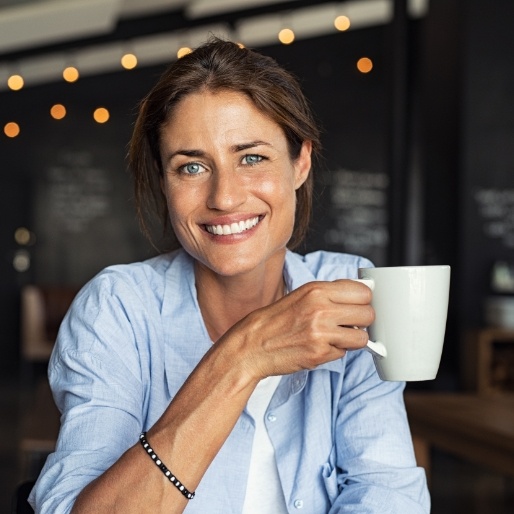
440,84
469,150
487,209
67,181
78,192
13,197
468,134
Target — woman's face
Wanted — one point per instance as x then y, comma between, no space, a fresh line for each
229,182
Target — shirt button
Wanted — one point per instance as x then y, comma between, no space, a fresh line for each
272,417
298,504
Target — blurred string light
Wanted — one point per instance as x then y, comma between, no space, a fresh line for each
183,50
364,64
24,237
342,23
11,129
21,261
129,60
286,36
70,74
15,82
58,111
101,115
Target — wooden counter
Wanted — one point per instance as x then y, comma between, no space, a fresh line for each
479,429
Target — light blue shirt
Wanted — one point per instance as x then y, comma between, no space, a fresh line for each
135,333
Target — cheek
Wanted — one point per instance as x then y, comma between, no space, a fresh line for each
278,187
280,195
179,202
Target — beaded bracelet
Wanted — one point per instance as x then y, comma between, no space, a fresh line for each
169,475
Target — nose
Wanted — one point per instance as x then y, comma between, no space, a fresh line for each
227,191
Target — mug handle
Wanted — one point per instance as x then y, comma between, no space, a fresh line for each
376,348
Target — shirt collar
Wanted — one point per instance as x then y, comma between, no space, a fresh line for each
186,338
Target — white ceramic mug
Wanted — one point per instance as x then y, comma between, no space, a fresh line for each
411,306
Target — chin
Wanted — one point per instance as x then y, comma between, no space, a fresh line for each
237,264
231,267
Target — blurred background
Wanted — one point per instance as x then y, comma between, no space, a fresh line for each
416,102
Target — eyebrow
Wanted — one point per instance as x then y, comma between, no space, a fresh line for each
246,146
234,148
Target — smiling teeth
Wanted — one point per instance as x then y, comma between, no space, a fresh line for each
234,228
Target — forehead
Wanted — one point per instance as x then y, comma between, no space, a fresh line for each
218,112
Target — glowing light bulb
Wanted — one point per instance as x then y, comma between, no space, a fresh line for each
286,36
23,236
21,261
11,129
184,50
342,23
101,115
58,111
129,61
364,64
15,82
70,74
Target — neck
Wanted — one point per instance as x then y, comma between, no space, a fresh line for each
224,301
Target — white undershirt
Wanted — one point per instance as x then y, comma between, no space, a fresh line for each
263,491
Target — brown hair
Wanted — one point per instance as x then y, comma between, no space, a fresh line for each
214,66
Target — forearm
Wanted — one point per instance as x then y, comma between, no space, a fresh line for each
186,438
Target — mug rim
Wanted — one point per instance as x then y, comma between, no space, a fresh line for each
440,266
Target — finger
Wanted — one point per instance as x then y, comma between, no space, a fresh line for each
352,291
351,315
349,338
344,315
339,291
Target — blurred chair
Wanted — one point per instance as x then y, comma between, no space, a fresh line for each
39,428
42,310
19,503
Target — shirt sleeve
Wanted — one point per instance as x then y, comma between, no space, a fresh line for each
95,377
375,456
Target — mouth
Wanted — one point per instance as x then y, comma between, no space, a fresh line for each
233,228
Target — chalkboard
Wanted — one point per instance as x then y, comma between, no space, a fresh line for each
356,211
495,209
78,193
83,218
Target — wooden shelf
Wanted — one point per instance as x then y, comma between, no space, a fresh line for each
494,351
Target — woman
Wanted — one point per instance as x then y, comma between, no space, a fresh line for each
229,355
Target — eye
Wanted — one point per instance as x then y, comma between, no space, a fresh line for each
191,168
252,159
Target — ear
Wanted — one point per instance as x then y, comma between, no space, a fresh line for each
302,165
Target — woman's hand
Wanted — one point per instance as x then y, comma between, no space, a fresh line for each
312,325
